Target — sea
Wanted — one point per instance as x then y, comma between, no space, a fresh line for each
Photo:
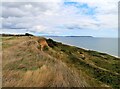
103,45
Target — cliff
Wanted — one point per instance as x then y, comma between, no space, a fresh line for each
31,61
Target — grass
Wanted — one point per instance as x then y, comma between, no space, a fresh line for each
112,66
101,75
23,64
97,68
6,45
101,60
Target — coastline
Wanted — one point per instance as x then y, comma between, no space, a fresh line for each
35,52
83,47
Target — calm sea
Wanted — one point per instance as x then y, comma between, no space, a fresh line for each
104,45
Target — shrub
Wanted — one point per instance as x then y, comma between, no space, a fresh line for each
45,48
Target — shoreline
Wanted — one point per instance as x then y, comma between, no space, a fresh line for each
82,47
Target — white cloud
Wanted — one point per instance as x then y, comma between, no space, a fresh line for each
38,28
49,17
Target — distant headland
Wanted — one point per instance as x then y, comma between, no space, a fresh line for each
69,36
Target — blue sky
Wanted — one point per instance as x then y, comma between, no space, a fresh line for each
63,18
90,10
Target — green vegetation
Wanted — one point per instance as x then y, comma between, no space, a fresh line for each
102,75
106,67
108,64
5,45
45,48
66,62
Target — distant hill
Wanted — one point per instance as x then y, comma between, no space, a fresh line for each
69,36
30,61
79,36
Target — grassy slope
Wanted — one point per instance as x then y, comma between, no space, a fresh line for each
59,65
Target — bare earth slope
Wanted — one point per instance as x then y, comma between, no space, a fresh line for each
39,62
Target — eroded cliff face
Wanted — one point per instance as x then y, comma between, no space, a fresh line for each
26,63
43,44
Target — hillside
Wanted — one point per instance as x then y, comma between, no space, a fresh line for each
30,61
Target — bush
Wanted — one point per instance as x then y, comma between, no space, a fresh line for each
45,48
51,43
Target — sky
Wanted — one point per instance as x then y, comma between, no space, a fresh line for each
98,18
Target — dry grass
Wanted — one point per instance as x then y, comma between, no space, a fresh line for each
26,65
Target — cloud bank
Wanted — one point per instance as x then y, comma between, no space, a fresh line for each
76,17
